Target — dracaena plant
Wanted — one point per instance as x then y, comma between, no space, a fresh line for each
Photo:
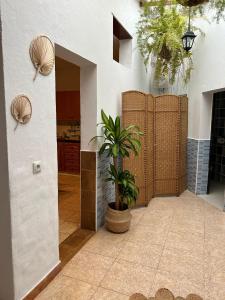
118,143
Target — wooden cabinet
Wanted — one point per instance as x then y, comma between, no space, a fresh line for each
68,105
68,157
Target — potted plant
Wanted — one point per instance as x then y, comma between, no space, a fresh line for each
119,143
159,33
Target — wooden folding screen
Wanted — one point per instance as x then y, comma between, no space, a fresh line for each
134,110
160,168
170,134
149,151
183,144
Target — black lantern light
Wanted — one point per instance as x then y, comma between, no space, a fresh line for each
189,37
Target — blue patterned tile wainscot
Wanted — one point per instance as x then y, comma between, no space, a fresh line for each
198,164
203,167
105,190
192,153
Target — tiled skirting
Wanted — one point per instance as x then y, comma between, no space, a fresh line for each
198,163
88,190
105,190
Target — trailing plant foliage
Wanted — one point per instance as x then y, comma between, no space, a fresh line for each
219,7
120,142
128,190
159,33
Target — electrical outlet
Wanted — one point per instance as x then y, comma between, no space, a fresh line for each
36,167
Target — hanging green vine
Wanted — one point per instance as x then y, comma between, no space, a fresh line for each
159,33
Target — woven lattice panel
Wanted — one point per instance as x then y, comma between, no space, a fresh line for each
134,111
166,144
160,168
183,144
150,148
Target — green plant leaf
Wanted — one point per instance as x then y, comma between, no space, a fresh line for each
115,150
104,117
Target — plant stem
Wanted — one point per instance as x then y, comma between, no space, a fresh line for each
117,199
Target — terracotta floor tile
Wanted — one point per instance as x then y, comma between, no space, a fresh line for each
103,233
192,242
182,263
187,194
215,224
164,203
104,246
157,218
128,278
88,267
215,292
178,285
215,270
175,242
103,294
187,225
66,288
137,214
215,244
147,234
141,253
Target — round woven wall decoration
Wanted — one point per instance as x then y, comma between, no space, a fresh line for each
21,109
42,54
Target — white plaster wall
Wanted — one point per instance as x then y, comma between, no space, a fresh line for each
208,76
6,265
85,28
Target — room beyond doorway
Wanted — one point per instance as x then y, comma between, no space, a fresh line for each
68,146
216,179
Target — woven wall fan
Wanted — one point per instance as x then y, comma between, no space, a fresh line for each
42,54
21,109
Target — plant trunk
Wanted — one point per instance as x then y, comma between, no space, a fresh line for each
117,199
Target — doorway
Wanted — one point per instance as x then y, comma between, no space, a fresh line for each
68,146
216,178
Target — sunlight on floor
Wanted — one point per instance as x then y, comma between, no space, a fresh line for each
216,196
69,205
176,242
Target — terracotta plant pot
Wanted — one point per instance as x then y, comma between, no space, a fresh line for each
117,221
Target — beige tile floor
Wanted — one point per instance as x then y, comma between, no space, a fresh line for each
69,205
177,243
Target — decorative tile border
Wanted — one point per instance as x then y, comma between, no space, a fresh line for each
198,164
203,167
105,190
192,153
